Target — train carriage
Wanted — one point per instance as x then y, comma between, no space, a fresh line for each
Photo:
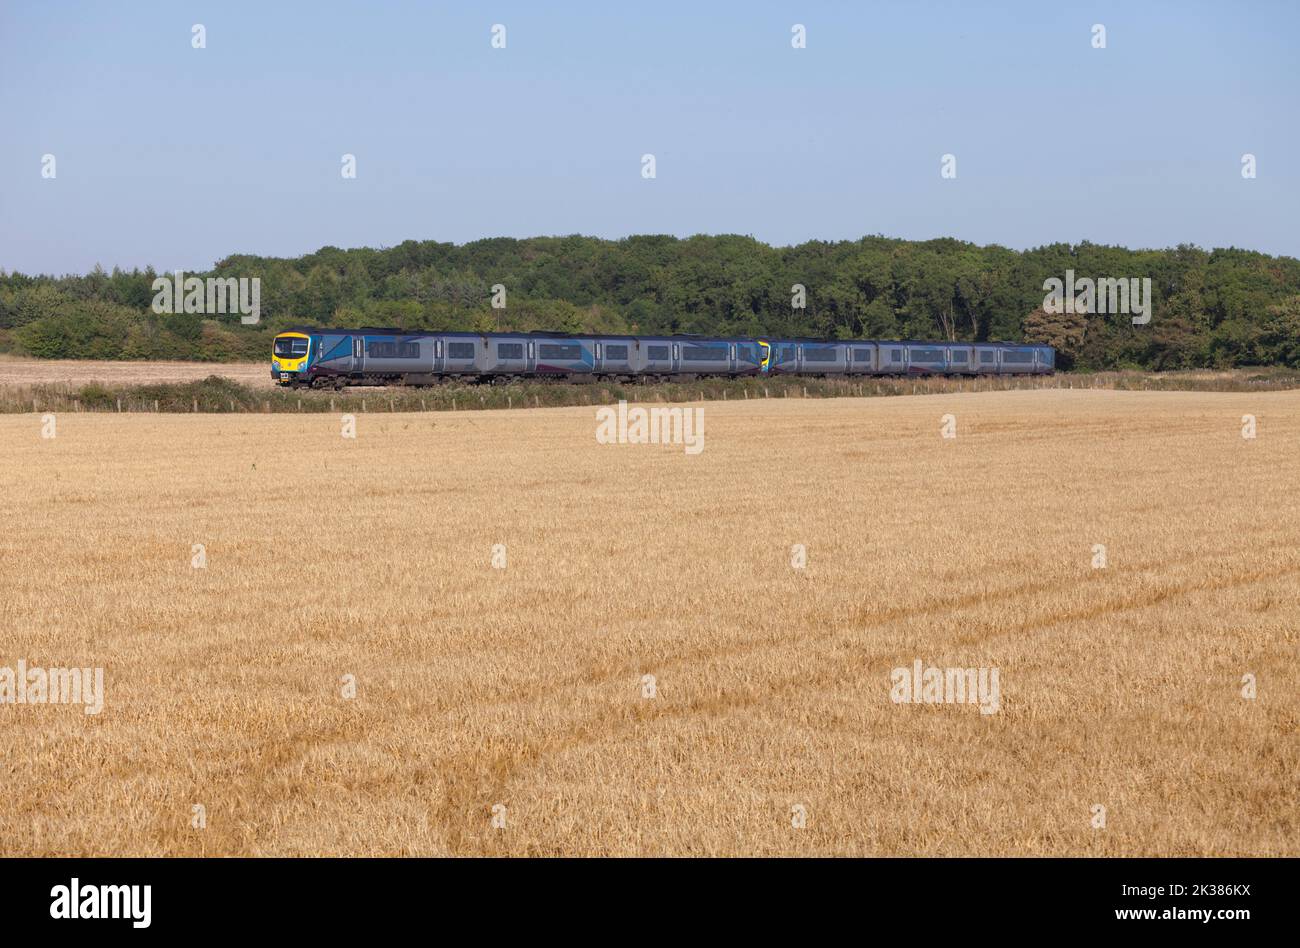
652,357
926,358
784,358
1021,360
558,355
459,354
392,356
614,355
751,356
701,356
986,359
1046,360
862,358
891,358
961,359
506,357
823,358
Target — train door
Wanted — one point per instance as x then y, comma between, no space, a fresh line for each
677,357
437,355
358,354
530,364
733,359
599,353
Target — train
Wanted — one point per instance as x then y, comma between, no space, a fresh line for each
319,358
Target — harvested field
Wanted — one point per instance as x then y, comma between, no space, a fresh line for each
523,692
28,372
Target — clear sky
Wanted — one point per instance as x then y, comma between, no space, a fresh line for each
176,157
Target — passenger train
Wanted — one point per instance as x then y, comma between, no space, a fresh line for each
337,357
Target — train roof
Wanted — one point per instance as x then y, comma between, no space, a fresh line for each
697,337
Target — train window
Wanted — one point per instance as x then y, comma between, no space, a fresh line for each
551,350
861,355
895,355
1017,356
291,347
787,354
927,355
393,350
510,350
959,355
704,353
616,353
437,346
460,350
657,352
813,354
987,355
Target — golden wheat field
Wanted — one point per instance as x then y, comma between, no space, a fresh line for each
507,710
17,371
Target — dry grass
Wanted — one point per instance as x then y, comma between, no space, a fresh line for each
17,371
521,686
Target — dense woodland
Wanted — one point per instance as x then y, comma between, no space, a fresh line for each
1211,308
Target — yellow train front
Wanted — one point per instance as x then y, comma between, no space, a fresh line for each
289,357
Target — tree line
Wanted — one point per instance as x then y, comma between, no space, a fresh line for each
1217,308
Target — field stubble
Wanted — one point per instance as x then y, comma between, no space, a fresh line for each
523,686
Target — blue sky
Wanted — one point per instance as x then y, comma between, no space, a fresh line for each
176,157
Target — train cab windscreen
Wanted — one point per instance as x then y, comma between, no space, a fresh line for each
288,347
